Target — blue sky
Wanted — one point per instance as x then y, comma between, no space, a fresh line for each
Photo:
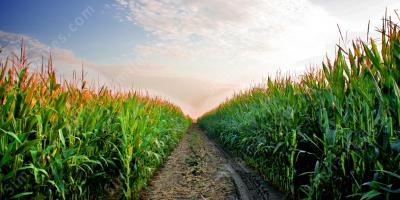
195,53
101,37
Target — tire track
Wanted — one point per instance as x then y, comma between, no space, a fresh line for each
249,183
200,169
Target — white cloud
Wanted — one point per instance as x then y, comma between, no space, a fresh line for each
64,61
152,78
35,50
242,41
202,51
218,35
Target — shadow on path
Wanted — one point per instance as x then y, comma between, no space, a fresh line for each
199,169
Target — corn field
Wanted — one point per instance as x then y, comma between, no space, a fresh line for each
61,140
333,133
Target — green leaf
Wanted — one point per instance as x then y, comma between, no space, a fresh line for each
21,195
277,147
12,135
60,134
371,194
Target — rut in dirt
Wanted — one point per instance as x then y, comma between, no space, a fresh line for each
199,169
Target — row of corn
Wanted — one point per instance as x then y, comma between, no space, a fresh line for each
333,133
61,140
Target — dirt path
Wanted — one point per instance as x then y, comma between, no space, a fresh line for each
199,169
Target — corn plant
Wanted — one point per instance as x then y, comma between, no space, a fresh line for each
67,141
333,133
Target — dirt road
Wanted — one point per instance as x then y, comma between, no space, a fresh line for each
199,169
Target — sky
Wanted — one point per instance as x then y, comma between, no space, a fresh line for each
194,53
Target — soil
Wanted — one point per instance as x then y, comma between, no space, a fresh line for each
199,169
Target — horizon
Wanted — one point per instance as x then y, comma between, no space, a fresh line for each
192,54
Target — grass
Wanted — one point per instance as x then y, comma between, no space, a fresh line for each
334,133
193,159
68,141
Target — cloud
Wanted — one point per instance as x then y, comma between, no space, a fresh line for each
218,35
65,61
190,93
35,50
240,42
366,9
200,52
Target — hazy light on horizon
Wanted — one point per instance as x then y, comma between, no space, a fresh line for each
195,53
